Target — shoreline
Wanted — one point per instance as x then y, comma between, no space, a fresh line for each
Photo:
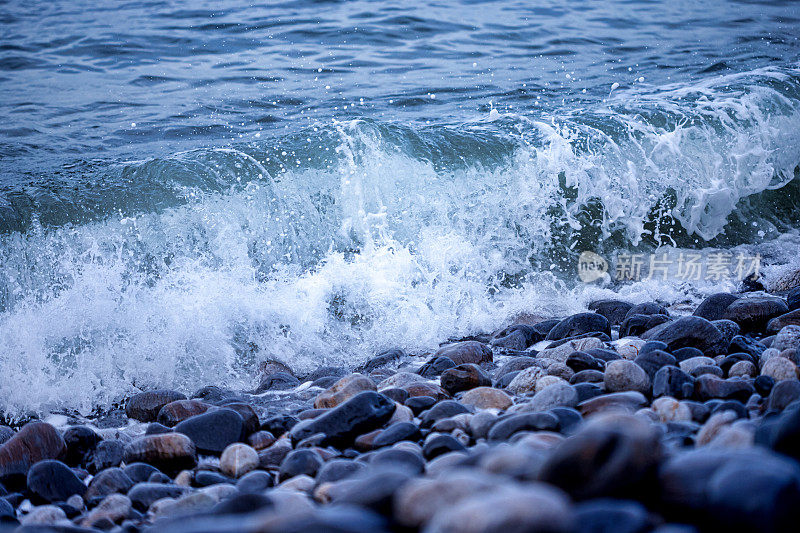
625,414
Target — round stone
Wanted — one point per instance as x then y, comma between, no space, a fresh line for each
779,369
238,459
623,375
343,390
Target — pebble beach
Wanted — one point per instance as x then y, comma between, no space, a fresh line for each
624,418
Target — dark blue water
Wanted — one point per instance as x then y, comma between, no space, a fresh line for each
187,188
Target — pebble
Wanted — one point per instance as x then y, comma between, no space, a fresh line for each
169,451
36,441
238,459
559,394
53,481
671,410
535,507
212,431
343,390
364,412
714,306
113,508
526,380
143,495
579,324
466,352
179,410
146,405
690,331
624,375
752,313
464,377
779,369
562,351
611,456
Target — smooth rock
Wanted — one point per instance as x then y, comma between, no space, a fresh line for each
212,431
364,412
674,382
238,459
556,395
753,313
466,352
179,410
343,390
464,377
688,331
109,481
779,369
534,507
629,401
614,456
53,481
623,375
169,452
613,310
145,406
143,495
486,398
35,442
714,306
580,324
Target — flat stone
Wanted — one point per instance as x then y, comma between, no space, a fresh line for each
169,452
343,390
629,401
507,426
708,387
486,398
179,410
753,313
466,352
688,331
364,412
145,406
534,507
